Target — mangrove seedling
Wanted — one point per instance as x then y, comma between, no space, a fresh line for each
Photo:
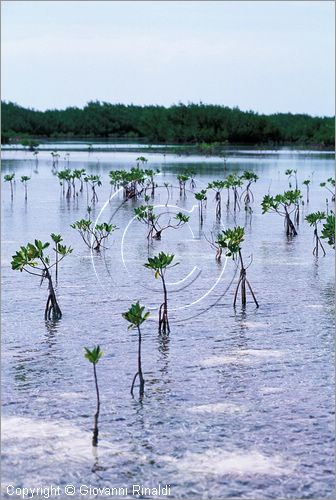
214,244
182,179
166,185
79,174
141,160
94,181
65,176
32,259
10,178
57,238
217,186
247,194
150,175
136,315
313,220
292,174
159,264
146,215
231,240
328,230
330,187
233,182
93,235
94,356
201,197
24,180
306,182
284,205
191,173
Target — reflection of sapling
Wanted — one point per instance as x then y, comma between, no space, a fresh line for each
136,316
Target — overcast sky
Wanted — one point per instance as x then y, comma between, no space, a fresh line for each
268,56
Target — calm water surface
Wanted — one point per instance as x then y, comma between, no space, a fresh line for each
237,403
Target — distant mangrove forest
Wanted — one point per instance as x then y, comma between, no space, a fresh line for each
178,124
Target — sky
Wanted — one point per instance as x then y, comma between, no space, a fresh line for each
266,56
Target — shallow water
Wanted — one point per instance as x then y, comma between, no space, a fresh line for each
237,403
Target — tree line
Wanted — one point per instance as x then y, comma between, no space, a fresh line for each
177,124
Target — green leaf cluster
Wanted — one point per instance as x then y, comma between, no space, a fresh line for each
135,315
231,240
93,355
328,230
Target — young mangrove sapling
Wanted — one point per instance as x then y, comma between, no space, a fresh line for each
328,230
10,178
306,182
93,235
231,240
159,264
201,197
217,186
32,259
247,194
24,180
313,220
283,204
136,316
94,356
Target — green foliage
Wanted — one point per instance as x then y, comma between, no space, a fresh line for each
181,218
249,176
315,217
306,182
205,125
29,255
24,178
231,240
280,201
328,230
182,178
99,232
145,213
9,177
233,181
201,196
160,263
64,175
94,180
216,185
94,355
136,315
142,160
